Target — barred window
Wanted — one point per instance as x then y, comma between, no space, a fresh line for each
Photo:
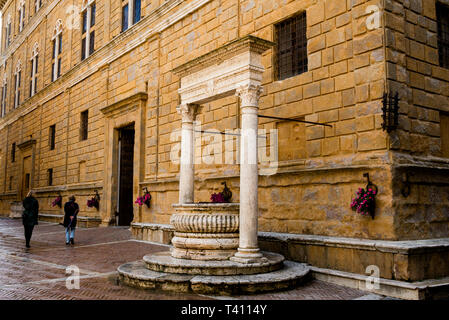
291,49
443,34
84,125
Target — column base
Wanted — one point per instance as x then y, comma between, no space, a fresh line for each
249,256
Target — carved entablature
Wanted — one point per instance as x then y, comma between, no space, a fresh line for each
221,72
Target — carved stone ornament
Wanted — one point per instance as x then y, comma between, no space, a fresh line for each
249,95
188,111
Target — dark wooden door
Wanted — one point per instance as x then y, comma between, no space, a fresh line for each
126,177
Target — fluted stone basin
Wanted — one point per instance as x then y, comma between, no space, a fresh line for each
205,231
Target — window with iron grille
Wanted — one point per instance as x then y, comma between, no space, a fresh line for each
291,48
443,34
84,125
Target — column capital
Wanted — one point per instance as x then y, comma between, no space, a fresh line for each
188,111
249,95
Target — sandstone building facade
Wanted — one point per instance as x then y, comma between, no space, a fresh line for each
89,98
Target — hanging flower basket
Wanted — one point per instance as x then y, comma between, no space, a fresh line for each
57,202
145,199
365,201
93,203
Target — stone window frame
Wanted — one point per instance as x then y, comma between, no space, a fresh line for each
21,11
302,14
34,69
131,14
17,83
442,13
57,45
4,93
88,28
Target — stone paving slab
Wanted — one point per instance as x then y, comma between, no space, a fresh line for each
39,273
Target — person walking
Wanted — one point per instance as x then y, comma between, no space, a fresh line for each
71,210
29,216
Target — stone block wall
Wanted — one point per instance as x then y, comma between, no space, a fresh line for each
350,66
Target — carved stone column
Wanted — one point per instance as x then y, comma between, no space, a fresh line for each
187,168
248,250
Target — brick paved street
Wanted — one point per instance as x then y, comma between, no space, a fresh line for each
39,272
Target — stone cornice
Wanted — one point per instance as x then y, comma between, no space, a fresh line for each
124,104
26,144
218,55
107,54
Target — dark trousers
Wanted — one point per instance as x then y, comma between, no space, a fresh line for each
28,233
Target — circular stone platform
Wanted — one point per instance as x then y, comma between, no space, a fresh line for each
137,274
164,262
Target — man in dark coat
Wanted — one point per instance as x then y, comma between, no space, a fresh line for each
29,216
71,210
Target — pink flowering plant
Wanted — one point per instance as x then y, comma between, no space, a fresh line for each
217,198
365,202
57,202
93,203
145,199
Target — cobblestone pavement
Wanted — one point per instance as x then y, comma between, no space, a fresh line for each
39,272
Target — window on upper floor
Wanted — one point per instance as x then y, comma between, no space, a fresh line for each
8,32
21,15
131,13
84,125
443,34
88,29
57,51
37,5
17,83
33,71
291,47
4,95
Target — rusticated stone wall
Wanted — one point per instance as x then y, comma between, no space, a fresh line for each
350,66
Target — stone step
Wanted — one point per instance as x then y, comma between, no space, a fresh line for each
164,262
137,274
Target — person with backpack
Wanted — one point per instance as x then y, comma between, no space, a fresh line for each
29,216
71,210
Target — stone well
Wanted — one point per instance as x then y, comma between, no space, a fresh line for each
215,248
205,231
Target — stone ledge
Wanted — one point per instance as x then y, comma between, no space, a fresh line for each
164,262
420,290
161,233
397,260
402,247
83,222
